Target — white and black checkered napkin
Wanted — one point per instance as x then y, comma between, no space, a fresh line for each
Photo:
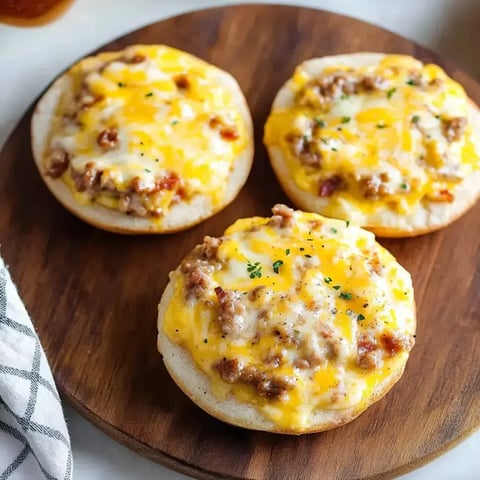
34,441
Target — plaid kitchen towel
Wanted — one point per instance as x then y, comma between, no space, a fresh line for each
34,441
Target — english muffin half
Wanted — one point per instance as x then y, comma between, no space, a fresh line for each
381,140
291,324
145,140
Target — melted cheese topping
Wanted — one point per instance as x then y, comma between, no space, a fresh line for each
392,135
316,277
162,127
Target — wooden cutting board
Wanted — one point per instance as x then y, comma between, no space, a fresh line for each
93,295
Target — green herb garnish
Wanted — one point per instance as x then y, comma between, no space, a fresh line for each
147,170
333,230
174,122
320,123
360,317
149,94
276,265
381,125
391,92
411,82
327,280
345,119
287,251
415,118
205,340
308,256
347,222
403,186
336,287
346,296
254,269
121,84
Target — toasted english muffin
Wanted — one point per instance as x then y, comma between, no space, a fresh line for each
381,140
145,140
291,324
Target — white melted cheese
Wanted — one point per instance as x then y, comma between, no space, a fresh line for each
395,130
161,127
326,282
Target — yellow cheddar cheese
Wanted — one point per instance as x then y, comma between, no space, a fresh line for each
359,136
319,315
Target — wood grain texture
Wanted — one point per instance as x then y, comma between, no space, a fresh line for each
93,295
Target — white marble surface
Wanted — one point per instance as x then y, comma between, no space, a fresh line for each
30,58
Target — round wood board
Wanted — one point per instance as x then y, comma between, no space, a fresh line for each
93,295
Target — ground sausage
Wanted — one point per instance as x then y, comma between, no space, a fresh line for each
454,128
108,139
393,344
282,216
227,132
374,186
229,370
209,247
230,311
273,387
371,83
369,356
59,161
329,185
198,276
181,81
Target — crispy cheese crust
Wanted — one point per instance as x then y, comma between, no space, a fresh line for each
381,140
293,324
148,139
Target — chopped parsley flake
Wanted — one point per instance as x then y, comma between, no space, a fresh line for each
308,256
381,125
276,265
437,116
149,94
174,122
415,118
254,269
344,96
403,186
391,92
347,222
334,149
333,230
205,340
297,332
320,123
309,239
360,317
410,82
336,287
345,119
147,170
346,296
157,160
121,84
327,280
287,251
324,140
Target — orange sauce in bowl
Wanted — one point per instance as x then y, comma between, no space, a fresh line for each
31,13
